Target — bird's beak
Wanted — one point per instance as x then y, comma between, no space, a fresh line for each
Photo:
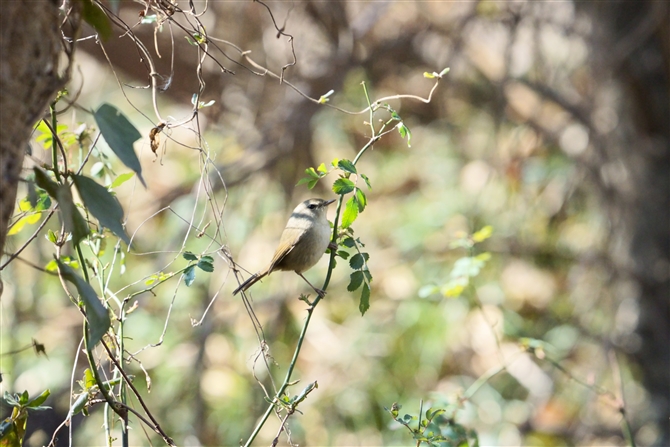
328,202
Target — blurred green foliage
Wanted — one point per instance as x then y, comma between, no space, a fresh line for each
492,300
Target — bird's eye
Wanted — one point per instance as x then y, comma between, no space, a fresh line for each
311,206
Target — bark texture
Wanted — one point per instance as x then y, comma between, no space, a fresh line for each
29,50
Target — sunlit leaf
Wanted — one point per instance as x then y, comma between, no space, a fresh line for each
121,179
361,200
483,234
347,166
350,212
343,186
367,180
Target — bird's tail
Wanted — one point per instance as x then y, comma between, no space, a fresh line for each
250,282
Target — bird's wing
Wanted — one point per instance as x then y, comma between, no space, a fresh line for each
289,239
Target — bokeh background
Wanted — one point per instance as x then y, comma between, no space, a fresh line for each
551,127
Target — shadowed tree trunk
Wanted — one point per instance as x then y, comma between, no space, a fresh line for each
637,37
30,45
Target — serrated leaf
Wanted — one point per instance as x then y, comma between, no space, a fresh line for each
189,276
343,186
361,200
189,256
364,303
95,17
343,254
358,260
96,313
367,180
349,242
347,166
121,179
205,266
120,134
350,212
72,219
102,204
322,169
355,281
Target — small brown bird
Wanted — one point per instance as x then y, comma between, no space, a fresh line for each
302,243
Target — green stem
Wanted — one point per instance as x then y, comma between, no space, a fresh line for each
54,137
303,332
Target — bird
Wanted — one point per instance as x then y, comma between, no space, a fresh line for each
303,242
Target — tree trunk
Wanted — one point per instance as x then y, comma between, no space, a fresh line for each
639,59
30,45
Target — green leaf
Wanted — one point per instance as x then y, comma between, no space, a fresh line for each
355,281
445,71
364,304
350,212
358,260
189,256
39,400
103,205
343,254
89,379
483,234
206,265
367,180
78,404
96,313
405,132
347,166
121,179
189,275
322,169
120,134
304,180
312,173
95,17
349,242
361,200
73,220
429,75
343,186
45,182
